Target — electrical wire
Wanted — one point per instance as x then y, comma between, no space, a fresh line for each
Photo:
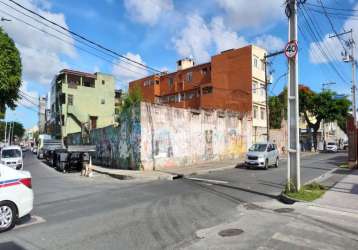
84,38
65,41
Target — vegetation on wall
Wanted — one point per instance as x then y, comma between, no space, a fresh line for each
131,99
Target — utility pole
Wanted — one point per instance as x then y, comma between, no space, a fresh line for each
5,131
9,139
267,82
293,163
350,58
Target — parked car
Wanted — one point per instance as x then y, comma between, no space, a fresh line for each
262,155
331,147
34,150
345,145
16,196
12,156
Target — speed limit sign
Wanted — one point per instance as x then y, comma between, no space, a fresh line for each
291,49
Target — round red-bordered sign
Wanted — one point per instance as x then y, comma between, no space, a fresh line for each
291,49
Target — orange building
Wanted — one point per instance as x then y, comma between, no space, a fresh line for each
233,80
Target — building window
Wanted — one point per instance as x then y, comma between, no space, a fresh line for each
103,101
157,82
255,112
204,71
170,82
70,99
254,87
256,62
262,111
189,76
146,83
88,82
207,90
262,88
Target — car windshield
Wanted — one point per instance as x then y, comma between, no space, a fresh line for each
258,148
10,153
331,143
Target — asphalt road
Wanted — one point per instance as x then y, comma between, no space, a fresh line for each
73,212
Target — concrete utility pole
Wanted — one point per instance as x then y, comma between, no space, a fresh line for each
293,163
5,131
350,58
266,90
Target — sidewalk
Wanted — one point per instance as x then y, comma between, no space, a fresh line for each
343,194
173,173
133,174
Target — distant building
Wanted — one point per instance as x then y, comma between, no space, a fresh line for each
117,101
80,102
233,80
42,114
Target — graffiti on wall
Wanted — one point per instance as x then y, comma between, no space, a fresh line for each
209,153
116,147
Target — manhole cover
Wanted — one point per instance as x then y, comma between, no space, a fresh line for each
284,210
230,232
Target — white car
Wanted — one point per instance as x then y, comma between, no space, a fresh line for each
12,156
331,147
262,155
16,196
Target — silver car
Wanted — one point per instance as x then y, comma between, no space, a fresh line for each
262,155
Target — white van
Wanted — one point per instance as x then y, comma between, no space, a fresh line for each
11,156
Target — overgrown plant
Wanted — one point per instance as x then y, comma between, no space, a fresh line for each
131,99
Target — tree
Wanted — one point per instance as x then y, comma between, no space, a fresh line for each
10,73
322,106
18,129
278,109
130,99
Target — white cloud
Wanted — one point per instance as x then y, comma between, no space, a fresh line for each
270,42
251,14
40,52
223,37
194,40
332,46
197,38
147,11
32,97
126,71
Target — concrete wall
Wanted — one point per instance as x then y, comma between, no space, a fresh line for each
163,137
173,137
117,147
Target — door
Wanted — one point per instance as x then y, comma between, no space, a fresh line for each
93,121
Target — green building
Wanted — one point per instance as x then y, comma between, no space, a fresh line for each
80,102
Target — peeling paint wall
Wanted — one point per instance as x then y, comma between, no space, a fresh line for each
162,137
172,137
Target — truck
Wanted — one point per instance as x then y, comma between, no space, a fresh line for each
66,158
41,140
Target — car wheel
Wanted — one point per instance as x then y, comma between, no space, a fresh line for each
276,163
7,216
248,166
266,164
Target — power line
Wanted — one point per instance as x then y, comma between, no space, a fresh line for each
71,37
315,34
332,8
65,41
85,39
332,26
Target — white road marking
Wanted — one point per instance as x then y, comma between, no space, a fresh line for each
207,180
33,221
304,242
328,210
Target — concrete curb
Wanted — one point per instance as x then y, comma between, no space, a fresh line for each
136,175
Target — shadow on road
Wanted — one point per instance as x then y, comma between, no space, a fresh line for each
10,245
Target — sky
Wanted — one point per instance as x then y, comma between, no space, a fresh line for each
159,32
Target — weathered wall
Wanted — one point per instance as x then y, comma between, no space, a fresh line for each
117,147
279,136
172,137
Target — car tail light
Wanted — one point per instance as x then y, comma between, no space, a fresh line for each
27,182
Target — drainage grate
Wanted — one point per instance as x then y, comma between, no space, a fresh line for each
284,210
230,232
